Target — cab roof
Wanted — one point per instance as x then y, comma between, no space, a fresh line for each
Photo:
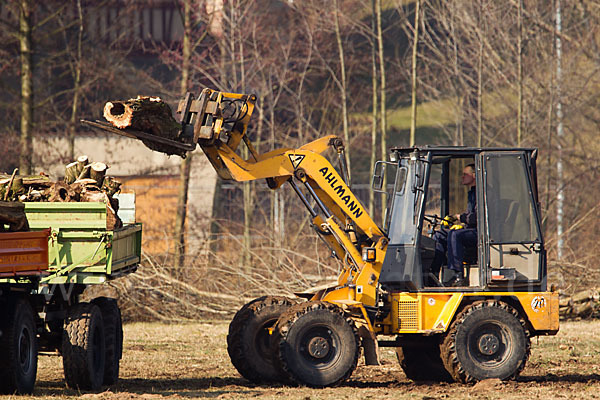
460,151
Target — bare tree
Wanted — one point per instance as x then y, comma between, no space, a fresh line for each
26,55
415,52
184,169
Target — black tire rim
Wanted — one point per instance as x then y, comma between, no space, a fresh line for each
25,350
490,344
319,346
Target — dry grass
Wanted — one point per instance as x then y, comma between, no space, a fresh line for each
190,360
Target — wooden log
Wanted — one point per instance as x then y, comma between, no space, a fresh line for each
9,186
112,219
565,302
82,161
147,114
85,172
85,182
13,215
584,296
93,196
71,172
35,195
564,311
81,186
97,172
17,186
111,186
583,310
39,180
61,192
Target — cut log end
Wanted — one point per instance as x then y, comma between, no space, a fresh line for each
118,114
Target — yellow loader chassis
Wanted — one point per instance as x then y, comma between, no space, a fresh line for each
434,311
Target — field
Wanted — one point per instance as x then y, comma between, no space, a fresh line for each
189,360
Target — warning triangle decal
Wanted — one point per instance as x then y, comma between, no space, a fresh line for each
296,159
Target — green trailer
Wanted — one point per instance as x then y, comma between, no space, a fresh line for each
40,308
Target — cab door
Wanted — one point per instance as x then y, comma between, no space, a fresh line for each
513,250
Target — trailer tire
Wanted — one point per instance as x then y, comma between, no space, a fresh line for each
488,339
113,330
248,340
18,349
83,347
318,344
423,362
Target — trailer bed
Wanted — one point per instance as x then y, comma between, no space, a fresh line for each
23,253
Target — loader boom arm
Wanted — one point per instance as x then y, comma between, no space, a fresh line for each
218,122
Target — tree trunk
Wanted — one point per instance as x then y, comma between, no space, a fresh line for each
382,99
560,196
413,116
184,170
181,215
373,106
520,73
343,91
76,85
480,80
25,45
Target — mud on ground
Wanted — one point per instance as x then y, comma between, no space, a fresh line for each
173,361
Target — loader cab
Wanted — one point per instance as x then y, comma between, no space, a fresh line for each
509,253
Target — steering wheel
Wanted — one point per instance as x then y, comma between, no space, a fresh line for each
432,219
434,222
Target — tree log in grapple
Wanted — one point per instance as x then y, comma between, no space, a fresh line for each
150,115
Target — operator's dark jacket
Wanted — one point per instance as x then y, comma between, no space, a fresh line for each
470,216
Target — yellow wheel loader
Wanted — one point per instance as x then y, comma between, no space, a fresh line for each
386,293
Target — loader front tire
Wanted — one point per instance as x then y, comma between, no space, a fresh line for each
113,329
18,349
488,339
318,344
248,340
83,347
421,361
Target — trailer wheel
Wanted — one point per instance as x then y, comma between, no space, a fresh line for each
422,361
488,339
318,344
248,340
113,329
18,349
83,347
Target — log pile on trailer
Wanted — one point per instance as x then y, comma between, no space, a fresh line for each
84,181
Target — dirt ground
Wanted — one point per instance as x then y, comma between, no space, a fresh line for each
190,361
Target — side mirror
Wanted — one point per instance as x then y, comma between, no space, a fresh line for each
378,175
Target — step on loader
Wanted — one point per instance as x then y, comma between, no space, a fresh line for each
387,293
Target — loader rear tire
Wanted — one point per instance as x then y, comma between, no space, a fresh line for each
113,329
422,362
83,347
248,340
488,339
318,344
18,349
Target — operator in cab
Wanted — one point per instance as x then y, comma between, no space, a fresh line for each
458,232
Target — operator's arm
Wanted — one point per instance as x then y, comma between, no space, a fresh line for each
470,216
